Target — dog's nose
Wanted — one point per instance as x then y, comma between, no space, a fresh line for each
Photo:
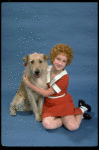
37,72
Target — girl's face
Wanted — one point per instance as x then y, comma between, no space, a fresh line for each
60,62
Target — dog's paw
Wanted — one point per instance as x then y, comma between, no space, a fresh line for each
38,118
12,113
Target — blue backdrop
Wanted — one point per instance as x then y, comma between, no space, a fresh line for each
37,27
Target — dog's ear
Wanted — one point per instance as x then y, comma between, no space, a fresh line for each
45,57
25,58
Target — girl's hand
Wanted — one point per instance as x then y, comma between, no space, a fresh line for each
25,79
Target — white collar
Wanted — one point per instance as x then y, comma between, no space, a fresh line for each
57,77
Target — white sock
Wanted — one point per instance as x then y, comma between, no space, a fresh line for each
83,108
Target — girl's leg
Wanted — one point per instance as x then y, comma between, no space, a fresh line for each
79,118
52,122
72,122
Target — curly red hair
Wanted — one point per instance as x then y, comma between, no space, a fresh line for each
61,49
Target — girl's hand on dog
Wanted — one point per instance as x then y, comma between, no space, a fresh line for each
25,79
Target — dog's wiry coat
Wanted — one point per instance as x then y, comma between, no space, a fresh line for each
26,99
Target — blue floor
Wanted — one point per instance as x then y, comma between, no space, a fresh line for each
37,27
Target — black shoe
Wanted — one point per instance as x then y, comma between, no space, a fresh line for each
87,116
82,103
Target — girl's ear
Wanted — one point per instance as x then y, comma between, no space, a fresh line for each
25,58
45,57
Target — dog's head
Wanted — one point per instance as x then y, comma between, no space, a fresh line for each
36,63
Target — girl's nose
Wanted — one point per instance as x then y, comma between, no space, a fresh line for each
60,62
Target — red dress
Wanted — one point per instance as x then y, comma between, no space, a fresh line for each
61,103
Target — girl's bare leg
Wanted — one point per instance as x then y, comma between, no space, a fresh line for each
52,122
79,118
72,122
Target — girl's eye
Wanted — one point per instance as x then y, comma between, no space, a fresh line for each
32,61
64,61
58,58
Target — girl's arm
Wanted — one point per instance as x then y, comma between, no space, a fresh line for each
41,91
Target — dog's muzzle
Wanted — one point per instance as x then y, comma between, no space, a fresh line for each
37,73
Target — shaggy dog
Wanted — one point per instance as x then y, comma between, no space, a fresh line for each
26,99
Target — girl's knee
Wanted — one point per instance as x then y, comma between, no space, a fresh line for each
46,124
72,127
70,123
52,122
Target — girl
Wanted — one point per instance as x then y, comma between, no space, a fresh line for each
58,107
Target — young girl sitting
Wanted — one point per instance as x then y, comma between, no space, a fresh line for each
58,107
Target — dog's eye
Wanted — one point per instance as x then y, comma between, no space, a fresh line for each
32,61
40,61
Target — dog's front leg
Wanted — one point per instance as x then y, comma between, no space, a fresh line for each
40,105
34,105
